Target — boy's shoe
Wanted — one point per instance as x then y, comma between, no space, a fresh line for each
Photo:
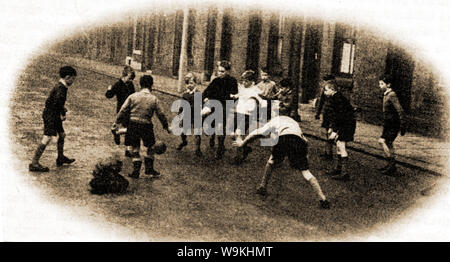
180,146
247,150
134,175
219,153
333,173
64,160
342,177
324,204
37,168
153,173
238,160
116,137
127,153
198,153
261,191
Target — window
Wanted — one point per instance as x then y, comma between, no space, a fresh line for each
348,57
344,51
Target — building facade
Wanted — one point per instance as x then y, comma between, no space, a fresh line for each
301,48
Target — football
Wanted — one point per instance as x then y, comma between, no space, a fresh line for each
159,147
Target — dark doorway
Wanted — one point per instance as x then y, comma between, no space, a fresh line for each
254,35
272,45
295,43
210,43
311,62
400,66
150,50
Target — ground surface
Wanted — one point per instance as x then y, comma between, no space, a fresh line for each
200,198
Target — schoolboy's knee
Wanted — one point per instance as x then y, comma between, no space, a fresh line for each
46,140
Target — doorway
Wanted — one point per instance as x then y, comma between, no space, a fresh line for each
401,67
311,62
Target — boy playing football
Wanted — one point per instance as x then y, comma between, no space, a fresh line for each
139,109
292,144
53,115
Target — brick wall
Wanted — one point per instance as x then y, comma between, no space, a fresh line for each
111,44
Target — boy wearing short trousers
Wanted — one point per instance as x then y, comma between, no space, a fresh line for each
393,123
139,109
291,144
53,115
342,125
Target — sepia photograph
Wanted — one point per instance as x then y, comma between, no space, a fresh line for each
237,121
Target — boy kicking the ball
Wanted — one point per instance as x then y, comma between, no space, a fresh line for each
140,108
292,144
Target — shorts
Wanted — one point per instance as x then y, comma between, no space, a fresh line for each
390,131
52,125
325,120
137,132
346,133
295,148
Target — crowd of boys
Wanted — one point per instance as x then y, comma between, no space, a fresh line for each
135,110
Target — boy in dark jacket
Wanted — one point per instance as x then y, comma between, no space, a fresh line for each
324,108
341,128
53,115
121,90
221,89
393,123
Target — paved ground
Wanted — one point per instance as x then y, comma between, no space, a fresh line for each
413,150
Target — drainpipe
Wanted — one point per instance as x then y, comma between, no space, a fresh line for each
183,52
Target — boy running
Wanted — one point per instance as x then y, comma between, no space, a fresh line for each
393,122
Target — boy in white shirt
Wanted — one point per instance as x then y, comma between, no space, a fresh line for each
246,110
292,144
